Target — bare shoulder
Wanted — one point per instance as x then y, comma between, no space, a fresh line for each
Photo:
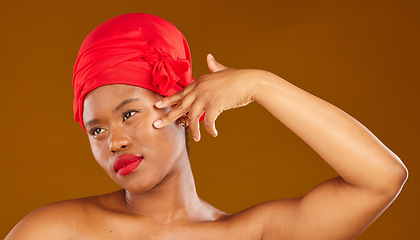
57,220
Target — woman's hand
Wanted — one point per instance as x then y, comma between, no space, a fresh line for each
223,89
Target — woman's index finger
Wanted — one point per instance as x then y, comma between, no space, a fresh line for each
174,99
169,101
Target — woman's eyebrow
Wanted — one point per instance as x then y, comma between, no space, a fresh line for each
126,101
93,121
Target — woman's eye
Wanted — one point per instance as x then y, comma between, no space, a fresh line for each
129,114
96,131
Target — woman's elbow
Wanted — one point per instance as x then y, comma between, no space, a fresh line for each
395,179
401,175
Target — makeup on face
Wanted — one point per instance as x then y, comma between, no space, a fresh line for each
127,163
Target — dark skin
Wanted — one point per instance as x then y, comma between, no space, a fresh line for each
159,200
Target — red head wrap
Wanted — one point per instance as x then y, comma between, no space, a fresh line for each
136,49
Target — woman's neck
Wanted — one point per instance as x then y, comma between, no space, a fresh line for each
174,198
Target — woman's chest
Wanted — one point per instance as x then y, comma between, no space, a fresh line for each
117,228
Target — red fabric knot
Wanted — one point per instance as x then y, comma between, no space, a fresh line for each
166,71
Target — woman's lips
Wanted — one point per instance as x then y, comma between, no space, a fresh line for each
127,163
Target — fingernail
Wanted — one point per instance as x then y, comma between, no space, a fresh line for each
196,139
215,133
158,104
157,123
211,56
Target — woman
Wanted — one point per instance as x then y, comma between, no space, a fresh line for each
135,97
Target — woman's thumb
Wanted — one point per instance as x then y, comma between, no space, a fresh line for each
213,65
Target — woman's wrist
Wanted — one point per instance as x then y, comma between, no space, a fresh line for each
262,83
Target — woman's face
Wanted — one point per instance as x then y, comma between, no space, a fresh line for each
119,121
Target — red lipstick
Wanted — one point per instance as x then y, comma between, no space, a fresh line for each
127,163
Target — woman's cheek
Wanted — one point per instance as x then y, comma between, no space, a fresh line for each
98,150
143,126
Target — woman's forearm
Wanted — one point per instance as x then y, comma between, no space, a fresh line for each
345,144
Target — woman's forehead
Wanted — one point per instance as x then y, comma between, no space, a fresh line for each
117,91
110,96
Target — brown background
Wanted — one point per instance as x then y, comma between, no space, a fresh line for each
360,55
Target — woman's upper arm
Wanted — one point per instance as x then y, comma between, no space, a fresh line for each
332,210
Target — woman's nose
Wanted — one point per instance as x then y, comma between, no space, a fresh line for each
119,141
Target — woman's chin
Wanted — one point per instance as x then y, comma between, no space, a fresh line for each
138,184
